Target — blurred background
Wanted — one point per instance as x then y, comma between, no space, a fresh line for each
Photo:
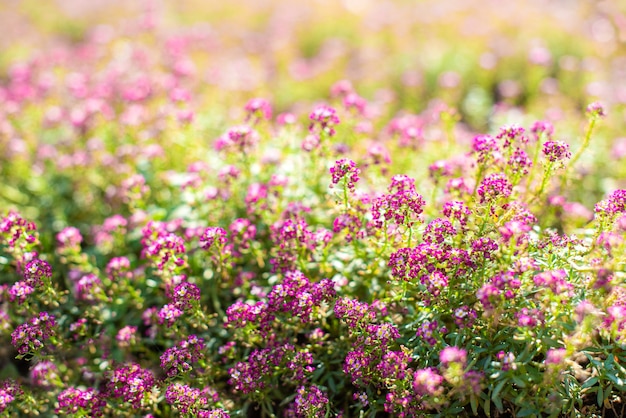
70,67
551,57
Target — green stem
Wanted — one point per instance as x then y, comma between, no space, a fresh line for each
579,153
592,123
479,177
485,221
544,181
345,194
535,159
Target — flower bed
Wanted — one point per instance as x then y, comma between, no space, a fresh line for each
172,249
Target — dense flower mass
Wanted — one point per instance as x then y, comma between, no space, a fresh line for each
287,212
493,187
131,384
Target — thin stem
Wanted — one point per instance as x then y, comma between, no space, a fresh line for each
592,123
544,181
576,157
535,158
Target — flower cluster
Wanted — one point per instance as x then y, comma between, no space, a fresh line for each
402,205
146,271
494,187
165,248
75,401
29,337
347,170
323,119
556,151
295,297
179,359
131,384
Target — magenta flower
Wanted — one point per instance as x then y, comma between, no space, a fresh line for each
556,150
130,383
347,169
428,382
323,119
77,401
596,110
453,355
30,337
493,187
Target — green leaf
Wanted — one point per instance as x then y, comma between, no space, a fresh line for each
487,407
519,382
332,385
474,404
589,382
498,403
497,390
619,382
600,396
525,412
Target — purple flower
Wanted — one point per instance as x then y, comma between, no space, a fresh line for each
596,110
69,237
169,313
179,359
243,137
44,374
118,268
511,133
438,230
555,355
428,331
464,316
486,148
186,295
311,402
493,187
514,229
484,248
403,205
453,355
345,169
77,401
131,383
211,236
428,382
556,150
213,413
89,288
323,118
9,391
613,205
20,291
353,312
357,366
258,109
126,336
394,365
184,398
542,127
488,294
455,209
555,280
529,318
30,337
519,162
